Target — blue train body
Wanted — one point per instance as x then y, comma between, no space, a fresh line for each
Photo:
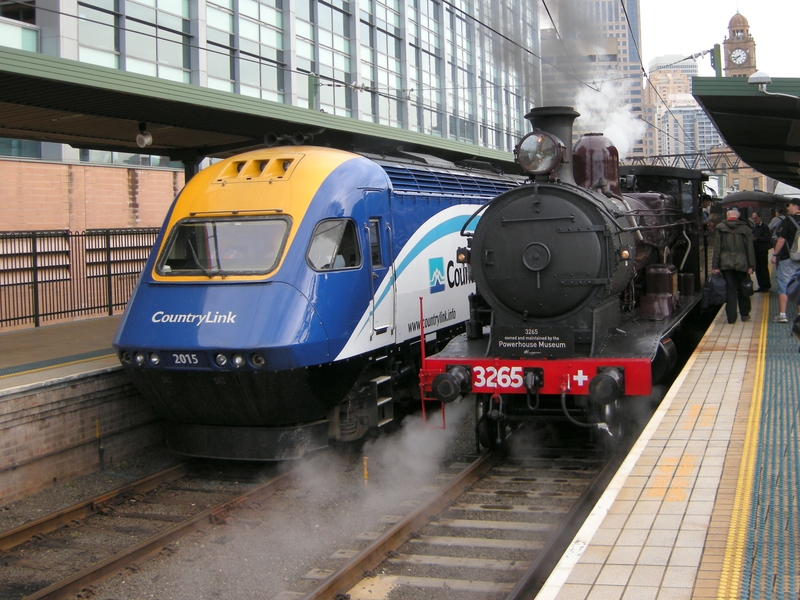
280,306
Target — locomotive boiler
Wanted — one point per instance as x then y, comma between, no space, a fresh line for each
583,275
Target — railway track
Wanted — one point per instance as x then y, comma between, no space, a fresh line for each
495,530
63,553
492,529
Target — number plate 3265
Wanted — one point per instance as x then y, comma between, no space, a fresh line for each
497,377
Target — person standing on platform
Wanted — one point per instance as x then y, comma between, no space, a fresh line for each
761,243
780,255
735,257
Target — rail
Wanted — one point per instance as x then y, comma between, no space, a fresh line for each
52,275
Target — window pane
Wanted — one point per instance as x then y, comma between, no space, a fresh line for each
230,246
375,244
334,245
96,29
141,46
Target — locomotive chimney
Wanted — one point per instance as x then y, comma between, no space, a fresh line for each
557,120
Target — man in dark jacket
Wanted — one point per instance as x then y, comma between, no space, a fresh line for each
761,242
735,257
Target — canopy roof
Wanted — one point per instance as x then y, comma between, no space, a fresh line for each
50,99
763,129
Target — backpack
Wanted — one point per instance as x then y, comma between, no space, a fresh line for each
794,249
774,231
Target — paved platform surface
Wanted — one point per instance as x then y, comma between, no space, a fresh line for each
42,353
705,505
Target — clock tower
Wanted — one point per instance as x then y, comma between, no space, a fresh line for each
739,48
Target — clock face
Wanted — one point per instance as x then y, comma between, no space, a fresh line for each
738,56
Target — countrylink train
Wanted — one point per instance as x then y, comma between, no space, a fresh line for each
279,308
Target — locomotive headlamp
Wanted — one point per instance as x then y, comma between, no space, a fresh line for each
625,254
238,360
154,358
221,360
139,359
539,153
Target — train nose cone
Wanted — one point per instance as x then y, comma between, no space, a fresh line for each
274,320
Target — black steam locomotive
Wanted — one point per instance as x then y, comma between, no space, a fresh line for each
583,276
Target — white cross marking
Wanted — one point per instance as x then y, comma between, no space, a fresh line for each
580,378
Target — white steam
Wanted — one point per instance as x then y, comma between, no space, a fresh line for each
602,113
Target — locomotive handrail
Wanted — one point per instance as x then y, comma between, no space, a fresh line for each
472,216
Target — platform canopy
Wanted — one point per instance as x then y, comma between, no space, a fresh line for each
763,129
49,99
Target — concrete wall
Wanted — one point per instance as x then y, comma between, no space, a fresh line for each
54,431
37,195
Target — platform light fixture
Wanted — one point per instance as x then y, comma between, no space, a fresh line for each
762,80
143,138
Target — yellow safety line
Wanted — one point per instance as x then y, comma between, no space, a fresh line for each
731,577
65,364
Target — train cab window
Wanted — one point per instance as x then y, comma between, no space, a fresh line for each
375,243
687,197
224,246
334,245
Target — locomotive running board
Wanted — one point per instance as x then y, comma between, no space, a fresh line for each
423,398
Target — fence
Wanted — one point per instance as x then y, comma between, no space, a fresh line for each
52,275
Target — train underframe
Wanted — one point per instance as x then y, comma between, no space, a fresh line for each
281,415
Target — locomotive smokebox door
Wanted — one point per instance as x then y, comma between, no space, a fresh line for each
544,258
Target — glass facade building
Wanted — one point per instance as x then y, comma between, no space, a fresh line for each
465,71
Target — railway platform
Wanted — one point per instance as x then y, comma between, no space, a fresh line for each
705,505
31,355
66,406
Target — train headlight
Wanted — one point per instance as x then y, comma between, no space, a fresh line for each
237,360
139,359
154,358
221,360
127,358
258,360
539,153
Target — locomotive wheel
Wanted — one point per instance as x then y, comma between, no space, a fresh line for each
489,433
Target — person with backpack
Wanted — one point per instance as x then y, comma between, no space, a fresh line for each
784,263
735,258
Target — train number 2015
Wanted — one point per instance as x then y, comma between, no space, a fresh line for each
492,377
185,359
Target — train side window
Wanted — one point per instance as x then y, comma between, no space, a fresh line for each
375,243
687,197
334,245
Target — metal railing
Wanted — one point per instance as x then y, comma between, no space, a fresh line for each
54,275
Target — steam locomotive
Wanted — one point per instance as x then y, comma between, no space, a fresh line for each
584,275
277,310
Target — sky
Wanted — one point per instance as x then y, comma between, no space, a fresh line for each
690,26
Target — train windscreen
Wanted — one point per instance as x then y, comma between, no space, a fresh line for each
224,246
